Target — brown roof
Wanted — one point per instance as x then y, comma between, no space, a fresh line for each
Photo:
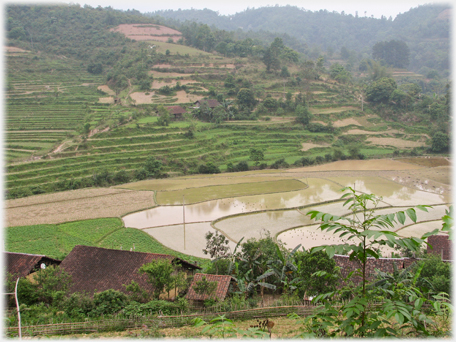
210,103
96,269
22,264
223,283
176,110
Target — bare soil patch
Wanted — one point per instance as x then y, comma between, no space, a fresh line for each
331,110
170,83
363,132
395,142
106,100
163,66
148,32
13,49
346,122
142,98
183,97
357,165
159,74
75,205
106,89
308,146
427,161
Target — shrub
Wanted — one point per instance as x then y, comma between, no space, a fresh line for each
108,302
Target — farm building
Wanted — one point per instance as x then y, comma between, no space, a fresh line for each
95,269
22,264
441,245
177,111
223,285
210,103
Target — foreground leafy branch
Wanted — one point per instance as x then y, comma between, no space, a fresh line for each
401,310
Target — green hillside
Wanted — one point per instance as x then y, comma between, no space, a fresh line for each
80,117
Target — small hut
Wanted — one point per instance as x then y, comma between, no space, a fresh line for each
21,265
177,111
220,292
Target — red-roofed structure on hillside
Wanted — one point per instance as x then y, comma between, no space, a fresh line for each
23,264
223,285
96,269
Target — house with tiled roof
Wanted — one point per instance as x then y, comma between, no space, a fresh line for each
95,269
177,111
22,264
210,103
223,285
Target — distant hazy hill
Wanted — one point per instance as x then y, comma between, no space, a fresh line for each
425,29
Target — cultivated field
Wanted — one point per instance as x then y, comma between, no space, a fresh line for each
245,205
148,32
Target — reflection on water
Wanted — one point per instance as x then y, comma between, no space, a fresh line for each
392,193
319,190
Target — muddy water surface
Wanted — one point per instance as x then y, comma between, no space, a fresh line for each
189,240
319,190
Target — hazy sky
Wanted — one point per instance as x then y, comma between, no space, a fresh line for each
375,8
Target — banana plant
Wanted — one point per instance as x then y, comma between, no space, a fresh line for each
283,268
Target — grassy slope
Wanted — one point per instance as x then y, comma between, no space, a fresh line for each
56,241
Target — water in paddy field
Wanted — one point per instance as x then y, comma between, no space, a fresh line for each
166,221
319,190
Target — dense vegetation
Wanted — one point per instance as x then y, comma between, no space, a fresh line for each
425,29
273,99
387,305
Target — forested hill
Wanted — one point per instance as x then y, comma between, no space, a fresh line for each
424,29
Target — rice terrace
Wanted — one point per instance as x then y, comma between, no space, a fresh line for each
231,155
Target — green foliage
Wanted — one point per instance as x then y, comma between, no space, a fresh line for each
164,118
108,302
440,142
205,287
318,272
381,90
163,275
394,52
403,303
209,168
216,246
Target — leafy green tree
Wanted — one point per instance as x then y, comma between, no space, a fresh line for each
153,167
51,284
370,231
164,118
246,98
307,266
217,247
440,142
271,104
163,275
394,52
437,273
256,155
381,90
303,116
206,287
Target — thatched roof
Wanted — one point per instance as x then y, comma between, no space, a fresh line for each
22,264
210,103
176,110
223,284
96,269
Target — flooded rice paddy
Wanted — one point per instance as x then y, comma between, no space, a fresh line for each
251,206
